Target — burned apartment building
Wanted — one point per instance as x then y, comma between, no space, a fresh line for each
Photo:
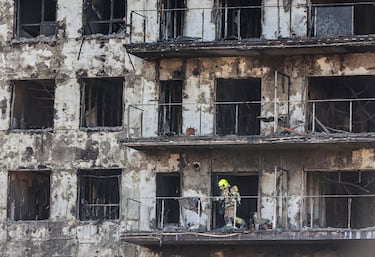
118,119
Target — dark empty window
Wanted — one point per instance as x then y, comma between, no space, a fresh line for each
104,17
248,189
240,19
29,195
99,194
167,193
238,107
341,104
171,18
170,109
343,17
101,102
35,18
33,104
347,199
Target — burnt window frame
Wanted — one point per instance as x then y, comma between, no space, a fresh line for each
236,106
339,202
357,19
251,10
88,8
105,174
340,104
96,82
43,174
171,18
18,24
18,124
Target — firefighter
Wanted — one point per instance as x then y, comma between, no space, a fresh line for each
230,196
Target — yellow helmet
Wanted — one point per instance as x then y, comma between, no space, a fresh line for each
223,183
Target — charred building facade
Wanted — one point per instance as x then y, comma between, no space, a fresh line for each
118,119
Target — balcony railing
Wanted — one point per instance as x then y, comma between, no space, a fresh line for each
249,118
316,212
250,22
342,115
231,23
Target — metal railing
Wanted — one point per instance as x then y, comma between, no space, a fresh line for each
316,212
91,211
245,22
248,119
342,115
229,119
195,24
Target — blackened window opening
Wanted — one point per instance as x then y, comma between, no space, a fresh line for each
167,193
170,109
102,102
343,17
29,195
238,106
171,18
99,194
241,19
104,17
35,18
347,199
364,19
33,104
348,113
248,189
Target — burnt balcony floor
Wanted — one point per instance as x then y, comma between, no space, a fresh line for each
254,47
247,237
272,142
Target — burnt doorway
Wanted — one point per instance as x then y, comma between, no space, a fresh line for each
171,18
167,206
170,109
240,19
238,106
248,189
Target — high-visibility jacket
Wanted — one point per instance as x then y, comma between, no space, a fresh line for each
231,197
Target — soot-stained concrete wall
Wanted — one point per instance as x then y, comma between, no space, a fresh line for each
67,57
